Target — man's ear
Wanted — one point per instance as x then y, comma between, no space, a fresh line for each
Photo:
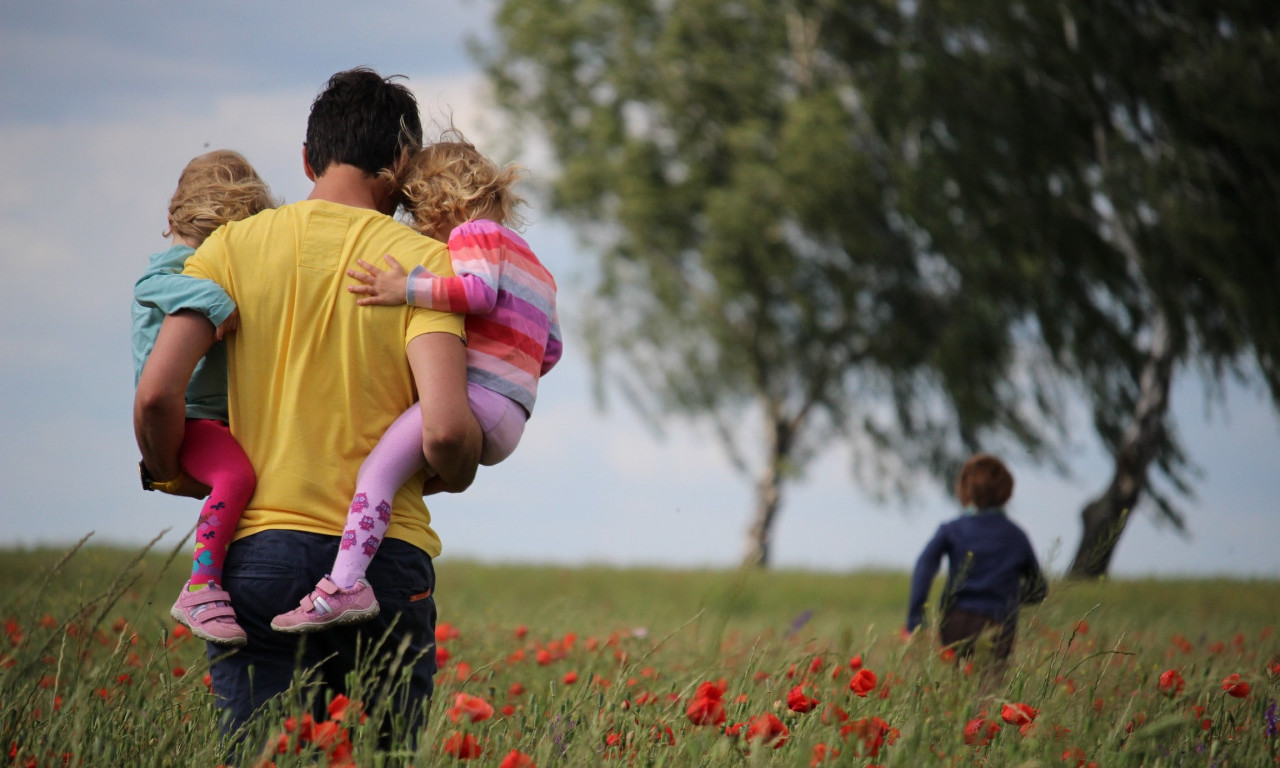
306,165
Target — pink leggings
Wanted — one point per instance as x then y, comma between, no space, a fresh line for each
211,455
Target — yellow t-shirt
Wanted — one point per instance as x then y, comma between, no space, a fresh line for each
314,380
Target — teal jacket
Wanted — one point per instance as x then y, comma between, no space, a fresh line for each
163,290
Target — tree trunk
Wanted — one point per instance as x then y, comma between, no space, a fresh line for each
760,534
1105,517
768,496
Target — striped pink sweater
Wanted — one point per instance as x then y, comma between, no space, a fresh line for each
509,298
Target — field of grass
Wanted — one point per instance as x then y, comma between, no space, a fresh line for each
594,666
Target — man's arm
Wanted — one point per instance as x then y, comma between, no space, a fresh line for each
160,405
451,436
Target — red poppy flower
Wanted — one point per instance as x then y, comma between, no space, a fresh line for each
979,731
863,682
1234,686
799,701
707,706
822,753
473,708
768,729
517,759
1018,714
463,746
1171,682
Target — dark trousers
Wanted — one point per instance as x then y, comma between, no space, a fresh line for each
267,574
962,630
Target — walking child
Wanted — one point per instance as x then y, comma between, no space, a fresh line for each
214,188
991,567
453,193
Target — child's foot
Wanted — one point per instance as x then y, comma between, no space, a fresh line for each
208,614
328,604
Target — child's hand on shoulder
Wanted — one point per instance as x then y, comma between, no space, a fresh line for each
380,287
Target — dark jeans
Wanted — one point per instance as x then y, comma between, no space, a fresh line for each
267,574
962,629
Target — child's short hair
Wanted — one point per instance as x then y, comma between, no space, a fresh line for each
449,182
363,119
984,482
215,188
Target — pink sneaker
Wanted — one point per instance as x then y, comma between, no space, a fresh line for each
328,604
208,614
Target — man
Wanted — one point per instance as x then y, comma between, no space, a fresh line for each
314,380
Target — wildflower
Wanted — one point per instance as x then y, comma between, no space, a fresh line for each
947,654
517,759
463,746
833,714
570,678
179,671
821,753
662,735
1271,720
516,689
707,706
863,682
1018,714
521,632
873,732
445,631
799,701
473,708
1171,683
979,731
768,729
1234,686
180,632
855,663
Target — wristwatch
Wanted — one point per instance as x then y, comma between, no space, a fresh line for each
149,483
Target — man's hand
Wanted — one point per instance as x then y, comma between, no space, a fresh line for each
387,288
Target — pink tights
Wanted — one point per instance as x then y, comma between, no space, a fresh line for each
211,455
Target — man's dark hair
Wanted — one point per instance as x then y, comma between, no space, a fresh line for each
362,119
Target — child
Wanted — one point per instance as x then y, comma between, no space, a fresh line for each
214,188
991,568
513,338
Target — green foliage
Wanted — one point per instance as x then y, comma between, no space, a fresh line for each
911,227
597,666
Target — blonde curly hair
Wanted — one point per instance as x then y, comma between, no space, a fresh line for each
447,183
215,188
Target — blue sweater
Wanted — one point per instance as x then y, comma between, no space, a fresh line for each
163,290
991,568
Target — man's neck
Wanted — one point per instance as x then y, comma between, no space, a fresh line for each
348,185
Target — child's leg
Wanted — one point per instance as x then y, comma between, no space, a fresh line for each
501,420
211,455
391,462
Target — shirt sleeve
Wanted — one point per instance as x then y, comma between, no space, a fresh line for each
555,346
478,256
164,286
922,577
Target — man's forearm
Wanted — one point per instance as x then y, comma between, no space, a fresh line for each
159,406
454,457
451,438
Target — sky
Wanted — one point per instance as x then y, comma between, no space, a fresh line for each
101,105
